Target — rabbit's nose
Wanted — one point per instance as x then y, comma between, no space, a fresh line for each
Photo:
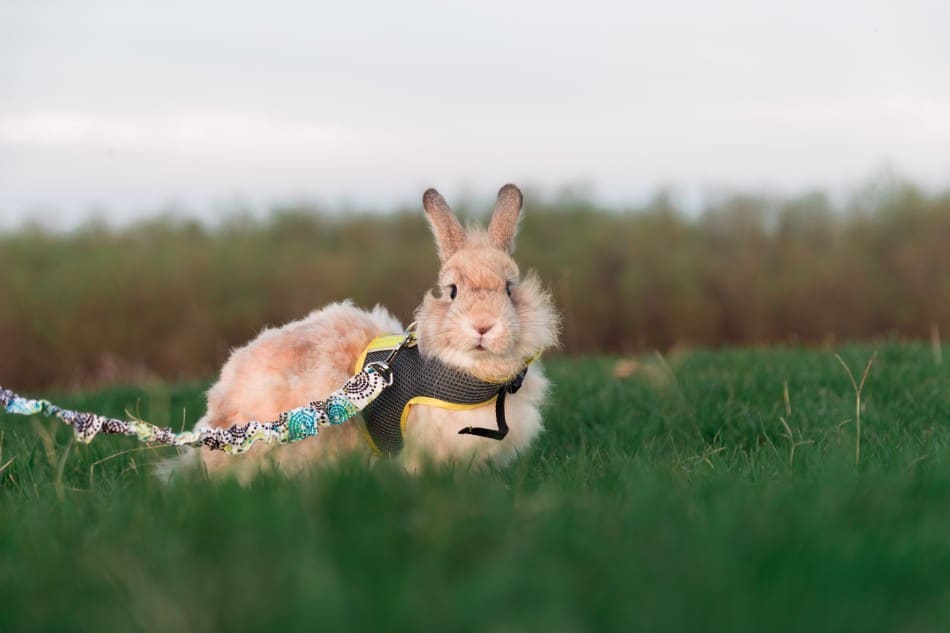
484,329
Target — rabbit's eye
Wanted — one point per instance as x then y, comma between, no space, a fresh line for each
508,288
453,290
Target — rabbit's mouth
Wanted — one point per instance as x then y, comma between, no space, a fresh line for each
496,344
484,347
488,347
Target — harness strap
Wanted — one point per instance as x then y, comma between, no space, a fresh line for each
511,387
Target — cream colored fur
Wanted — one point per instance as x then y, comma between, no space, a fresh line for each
483,330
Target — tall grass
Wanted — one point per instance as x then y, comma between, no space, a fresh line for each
168,298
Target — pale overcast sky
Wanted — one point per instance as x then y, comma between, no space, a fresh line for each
128,105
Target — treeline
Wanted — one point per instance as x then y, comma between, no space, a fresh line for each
168,298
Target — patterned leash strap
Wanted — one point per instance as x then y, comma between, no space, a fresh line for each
292,426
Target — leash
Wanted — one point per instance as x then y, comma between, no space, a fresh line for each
291,426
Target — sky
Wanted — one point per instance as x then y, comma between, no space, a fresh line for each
124,108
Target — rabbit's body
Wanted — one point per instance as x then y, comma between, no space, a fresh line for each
487,322
308,359
284,368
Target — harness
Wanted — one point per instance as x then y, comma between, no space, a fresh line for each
429,381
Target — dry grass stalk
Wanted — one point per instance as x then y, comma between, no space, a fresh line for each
858,388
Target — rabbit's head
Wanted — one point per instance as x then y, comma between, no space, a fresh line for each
484,318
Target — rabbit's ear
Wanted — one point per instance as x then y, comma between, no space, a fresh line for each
504,221
449,234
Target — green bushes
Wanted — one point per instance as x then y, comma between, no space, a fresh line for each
169,297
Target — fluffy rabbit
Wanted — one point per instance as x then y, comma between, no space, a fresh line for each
486,320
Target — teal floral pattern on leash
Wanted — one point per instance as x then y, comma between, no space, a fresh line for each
291,426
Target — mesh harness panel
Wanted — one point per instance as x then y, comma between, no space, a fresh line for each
415,376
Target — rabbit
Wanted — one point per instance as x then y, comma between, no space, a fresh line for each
485,320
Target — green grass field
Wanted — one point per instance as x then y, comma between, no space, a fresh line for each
673,500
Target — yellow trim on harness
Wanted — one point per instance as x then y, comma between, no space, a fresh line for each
426,400
441,404
369,438
384,342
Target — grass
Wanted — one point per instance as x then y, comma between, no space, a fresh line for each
707,491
